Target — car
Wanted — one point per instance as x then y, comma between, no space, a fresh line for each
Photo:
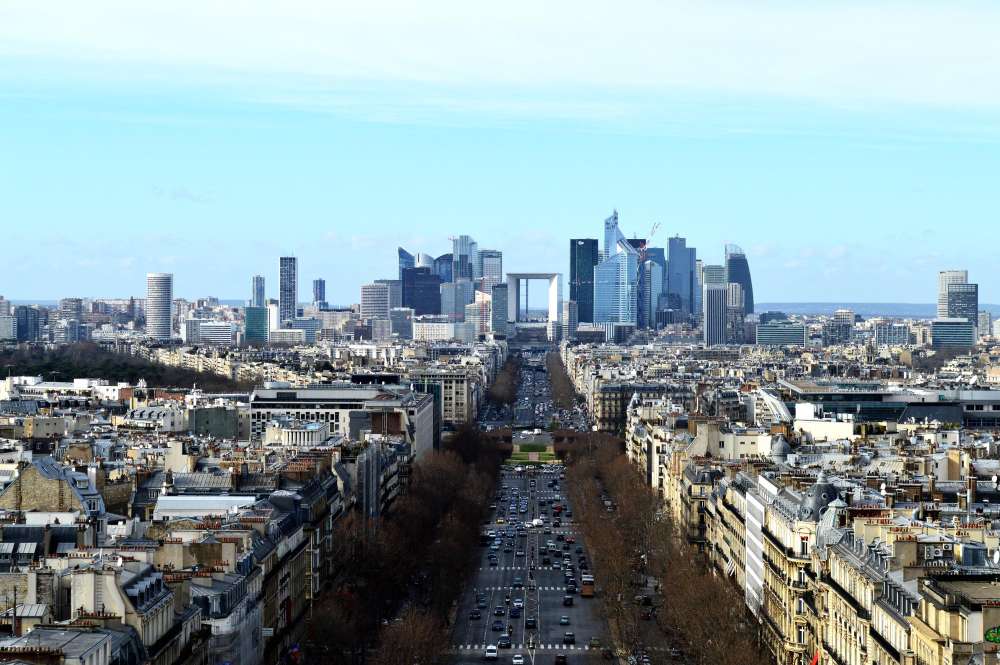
579,550
475,615
594,643
569,638
519,602
481,604
518,583
500,611
560,537
531,622
564,620
565,547
490,653
570,588
519,553
556,565
561,659
515,612
504,641
493,563
567,601
497,626
517,659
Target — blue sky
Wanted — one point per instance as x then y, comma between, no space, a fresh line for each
850,148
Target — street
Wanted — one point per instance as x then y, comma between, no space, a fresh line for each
505,571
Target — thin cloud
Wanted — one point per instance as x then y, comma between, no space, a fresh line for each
849,55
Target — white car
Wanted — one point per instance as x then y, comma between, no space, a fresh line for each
491,652
517,659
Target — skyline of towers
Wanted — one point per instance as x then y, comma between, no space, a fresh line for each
159,305
288,288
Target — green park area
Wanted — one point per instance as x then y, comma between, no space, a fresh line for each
532,453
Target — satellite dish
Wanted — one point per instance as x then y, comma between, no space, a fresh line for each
996,557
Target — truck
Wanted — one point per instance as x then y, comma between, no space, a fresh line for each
587,586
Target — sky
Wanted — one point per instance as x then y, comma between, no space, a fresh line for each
851,148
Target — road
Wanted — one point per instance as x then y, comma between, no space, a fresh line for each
544,588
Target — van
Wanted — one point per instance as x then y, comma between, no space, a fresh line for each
491,652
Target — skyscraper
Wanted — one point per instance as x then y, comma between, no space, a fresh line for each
963,302
616,278
28,327
375,301
734,313
651,287
583,258
464,258
444,268
288,288
159,303
946,277
406,260
681,278
422,291
257,298
498,315
71,309
738,271
714,313
395,291
454,297
490,269
255,327
319,292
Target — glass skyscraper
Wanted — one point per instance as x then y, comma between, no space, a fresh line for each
255,325
963,302
583,258
443,268
616,278
288,288
464,258
422,291
739,273
257,291
406,260
681,278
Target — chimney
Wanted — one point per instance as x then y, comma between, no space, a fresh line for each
970,491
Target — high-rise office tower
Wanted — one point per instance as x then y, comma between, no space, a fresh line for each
406,260
651,287
257,298
28,327
714,313
490,269
498,315
583,258
5,306
616,278
738,272
444,267
375,301
713,274
464,258
401,322
427,261
963,302
8,328
395,291
734,313
319,292
71,308
422,291
570,319
681,277
255,325
288,288
159,304
946,277
454,297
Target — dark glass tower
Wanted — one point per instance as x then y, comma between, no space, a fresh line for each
406,260
583,257
421,291
288,288
681,279
443,267
738,271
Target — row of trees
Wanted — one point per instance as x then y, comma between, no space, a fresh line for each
632,543
504,389
563,393
87,359
399,575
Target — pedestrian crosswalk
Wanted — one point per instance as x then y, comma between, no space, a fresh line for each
523,647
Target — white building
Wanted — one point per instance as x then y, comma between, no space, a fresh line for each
375,301
159,303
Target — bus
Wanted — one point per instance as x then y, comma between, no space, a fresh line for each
587,586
